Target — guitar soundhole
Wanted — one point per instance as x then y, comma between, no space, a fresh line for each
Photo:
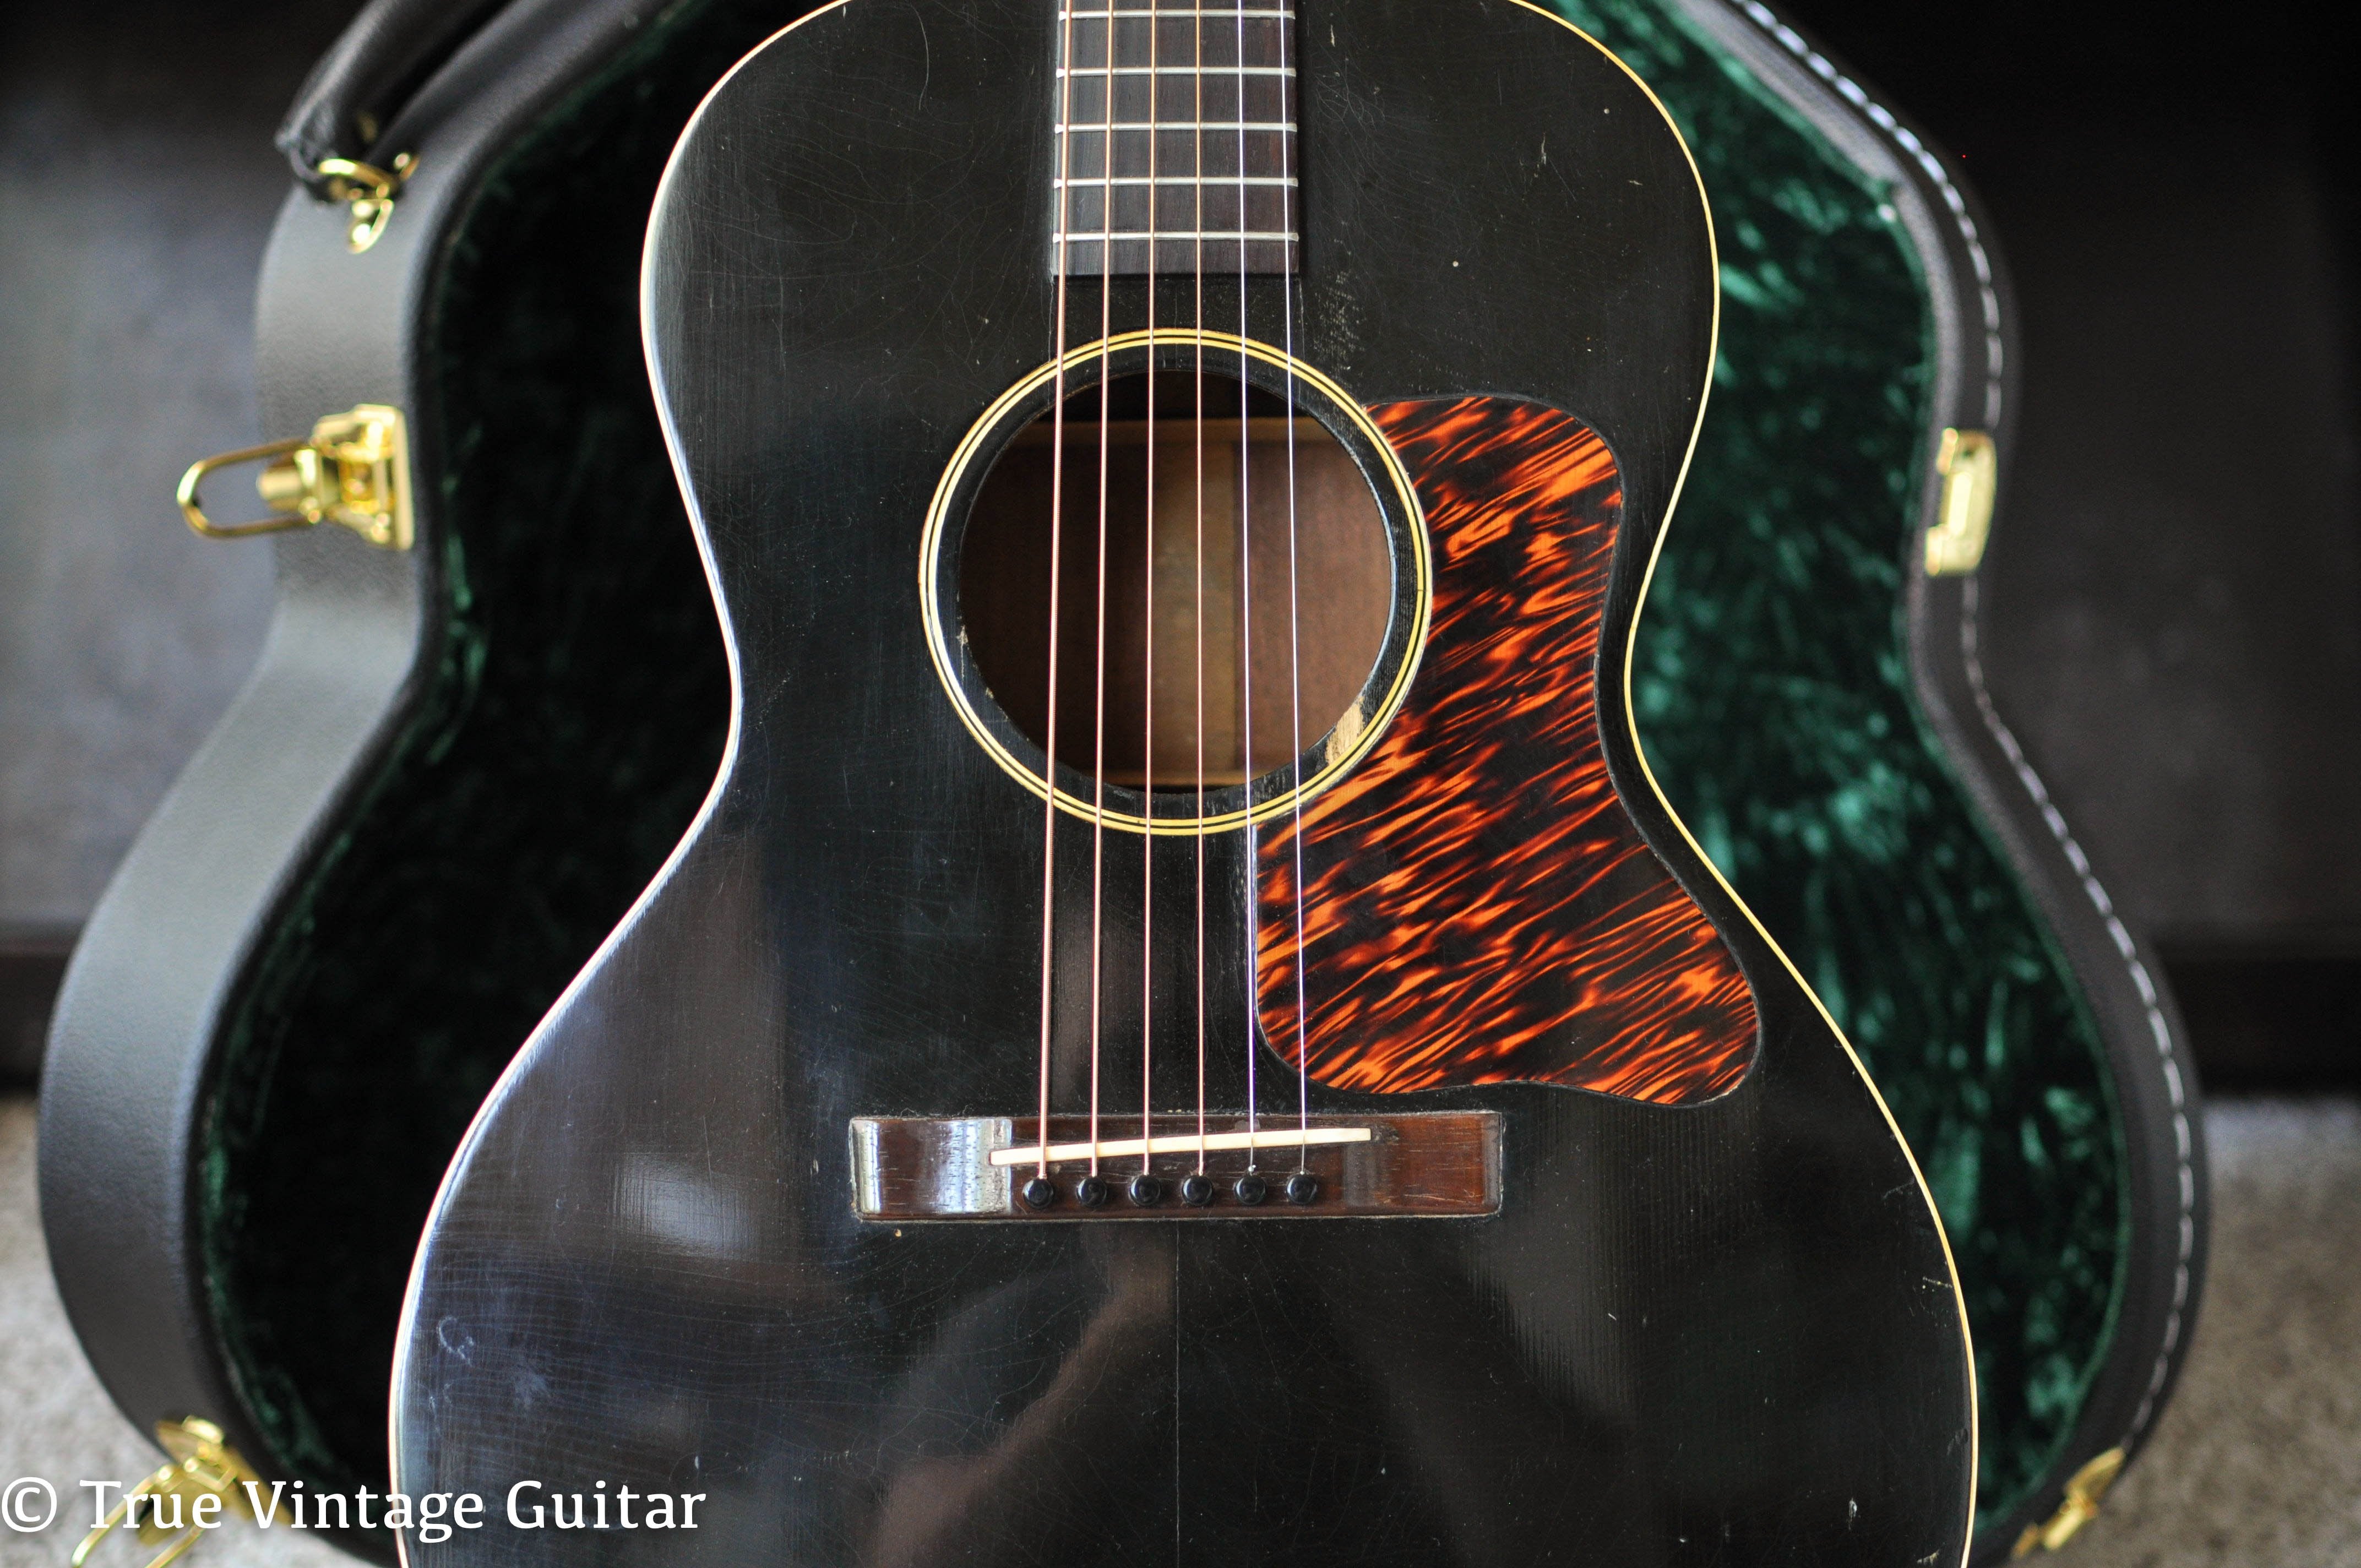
1177,548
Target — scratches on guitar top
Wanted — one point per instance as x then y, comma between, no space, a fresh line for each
1479,906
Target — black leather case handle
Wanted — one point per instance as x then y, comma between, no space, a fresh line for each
387,52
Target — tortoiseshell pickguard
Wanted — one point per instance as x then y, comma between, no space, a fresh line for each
1479,906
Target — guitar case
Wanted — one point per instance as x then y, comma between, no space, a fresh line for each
457,764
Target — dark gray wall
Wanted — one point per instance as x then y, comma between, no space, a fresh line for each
2174,599
2177,603
136,187
2173,603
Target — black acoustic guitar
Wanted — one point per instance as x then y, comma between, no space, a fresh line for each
1185,1032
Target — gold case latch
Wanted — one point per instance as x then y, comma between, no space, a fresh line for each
368,192
2080,1507
352,469
204,1466
1969,465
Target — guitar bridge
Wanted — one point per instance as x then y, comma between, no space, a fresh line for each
1433,1164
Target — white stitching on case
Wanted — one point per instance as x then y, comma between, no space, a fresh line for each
1852,93
2121,937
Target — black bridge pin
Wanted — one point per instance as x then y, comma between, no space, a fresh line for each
1040,1192
1251,1189
1091,1192
1146,1191
1302,1187
1197,1190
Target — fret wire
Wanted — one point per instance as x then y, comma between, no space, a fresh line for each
1164,16
1263,180
1210,71
1093,236
1200,126
1251,154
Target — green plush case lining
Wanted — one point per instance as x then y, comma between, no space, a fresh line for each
575,713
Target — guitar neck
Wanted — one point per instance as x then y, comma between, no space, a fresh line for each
1176,138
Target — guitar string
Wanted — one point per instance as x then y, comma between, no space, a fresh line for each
1147,615
1294,623
1099,597
1245,616
1057,531
1197,226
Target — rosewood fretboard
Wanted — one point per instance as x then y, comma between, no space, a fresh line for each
1176,137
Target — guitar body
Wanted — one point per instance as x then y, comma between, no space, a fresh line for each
1705,1314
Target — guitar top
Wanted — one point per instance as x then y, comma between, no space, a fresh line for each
1185,1032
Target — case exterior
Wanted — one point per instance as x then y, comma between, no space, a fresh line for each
137,1030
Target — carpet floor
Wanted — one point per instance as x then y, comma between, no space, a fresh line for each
2257,1463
